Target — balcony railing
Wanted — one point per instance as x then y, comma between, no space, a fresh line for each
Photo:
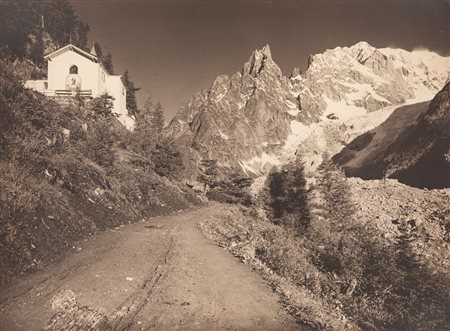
67,93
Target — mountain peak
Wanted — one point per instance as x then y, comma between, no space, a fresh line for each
295,72
362,45
261,59
362,51
266,51
263,52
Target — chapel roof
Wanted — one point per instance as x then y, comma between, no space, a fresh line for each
73,48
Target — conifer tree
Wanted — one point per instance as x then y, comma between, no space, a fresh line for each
98,49
150,140
108,63
131,94
106,60
37,50
166,158
338,206
149,126
287,196
158,122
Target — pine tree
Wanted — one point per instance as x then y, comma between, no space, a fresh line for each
158,119
37,50
17,26
338,207
98,49
103,105
62,23
82,31
166,158
106,60
287,196
107,63
148,138
131,94
149,127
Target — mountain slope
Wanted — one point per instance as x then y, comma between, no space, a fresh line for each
258,118
411,145
243,117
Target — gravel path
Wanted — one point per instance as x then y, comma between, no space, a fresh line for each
160,274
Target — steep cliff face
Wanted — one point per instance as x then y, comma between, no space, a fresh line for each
257,117
241,120
411,145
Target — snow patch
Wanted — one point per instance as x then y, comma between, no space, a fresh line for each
299,132
292,108
342,110
257,164
329,136
219,96
362,91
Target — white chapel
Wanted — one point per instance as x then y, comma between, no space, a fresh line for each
72,70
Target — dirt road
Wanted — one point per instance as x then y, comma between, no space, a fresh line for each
160,274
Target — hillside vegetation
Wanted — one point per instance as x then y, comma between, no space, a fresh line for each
31,29
346,254
69,169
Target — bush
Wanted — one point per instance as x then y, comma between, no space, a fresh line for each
233,191
100,139
167,159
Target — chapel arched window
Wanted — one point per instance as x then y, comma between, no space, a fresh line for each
73,70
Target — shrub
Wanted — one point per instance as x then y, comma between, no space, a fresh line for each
100,139
209,172
167,159
234,191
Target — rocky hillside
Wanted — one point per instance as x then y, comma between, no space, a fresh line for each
258,117
411,145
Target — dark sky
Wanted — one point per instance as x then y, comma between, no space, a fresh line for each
173,49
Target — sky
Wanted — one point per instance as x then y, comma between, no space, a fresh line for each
173,49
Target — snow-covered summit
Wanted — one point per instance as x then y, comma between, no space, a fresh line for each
425,71
256,117
364,76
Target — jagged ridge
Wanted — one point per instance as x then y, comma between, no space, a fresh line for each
244,121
